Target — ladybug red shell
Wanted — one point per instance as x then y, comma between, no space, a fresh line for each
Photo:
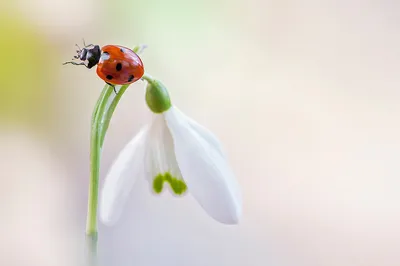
116,65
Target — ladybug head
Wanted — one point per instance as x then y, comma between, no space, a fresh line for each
90,55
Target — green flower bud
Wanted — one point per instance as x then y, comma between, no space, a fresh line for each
157,97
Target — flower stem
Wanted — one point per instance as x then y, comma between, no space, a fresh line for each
148,78
95,148
102,114
101,118
109,112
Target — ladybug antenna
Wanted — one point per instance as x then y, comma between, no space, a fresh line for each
84,44
79,48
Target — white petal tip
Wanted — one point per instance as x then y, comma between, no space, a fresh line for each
106,218
232,218
205,169
107,222
233,221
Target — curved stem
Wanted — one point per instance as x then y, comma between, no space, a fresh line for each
110,110
113,105
95,152
101,118
147,77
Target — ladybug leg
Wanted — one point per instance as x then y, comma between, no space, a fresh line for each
74,63
112,85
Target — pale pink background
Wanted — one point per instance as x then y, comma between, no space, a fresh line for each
304,96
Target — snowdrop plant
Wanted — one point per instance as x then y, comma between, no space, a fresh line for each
173,150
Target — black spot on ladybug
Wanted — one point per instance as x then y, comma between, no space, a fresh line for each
130,78
118,67
122,50
109,77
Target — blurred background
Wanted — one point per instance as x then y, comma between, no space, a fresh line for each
304,96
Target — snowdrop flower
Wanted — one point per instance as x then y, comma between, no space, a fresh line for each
176,150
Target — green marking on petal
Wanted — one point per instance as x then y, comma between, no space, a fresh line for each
178,186
168,177
158,183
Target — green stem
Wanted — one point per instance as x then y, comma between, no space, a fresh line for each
100,121
110,112
101,118
95,148
148,78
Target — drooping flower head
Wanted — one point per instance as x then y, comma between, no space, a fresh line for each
175,150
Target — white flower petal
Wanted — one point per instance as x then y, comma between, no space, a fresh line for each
205,170
202,131
121,178
160,163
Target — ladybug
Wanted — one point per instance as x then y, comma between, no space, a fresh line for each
116,65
